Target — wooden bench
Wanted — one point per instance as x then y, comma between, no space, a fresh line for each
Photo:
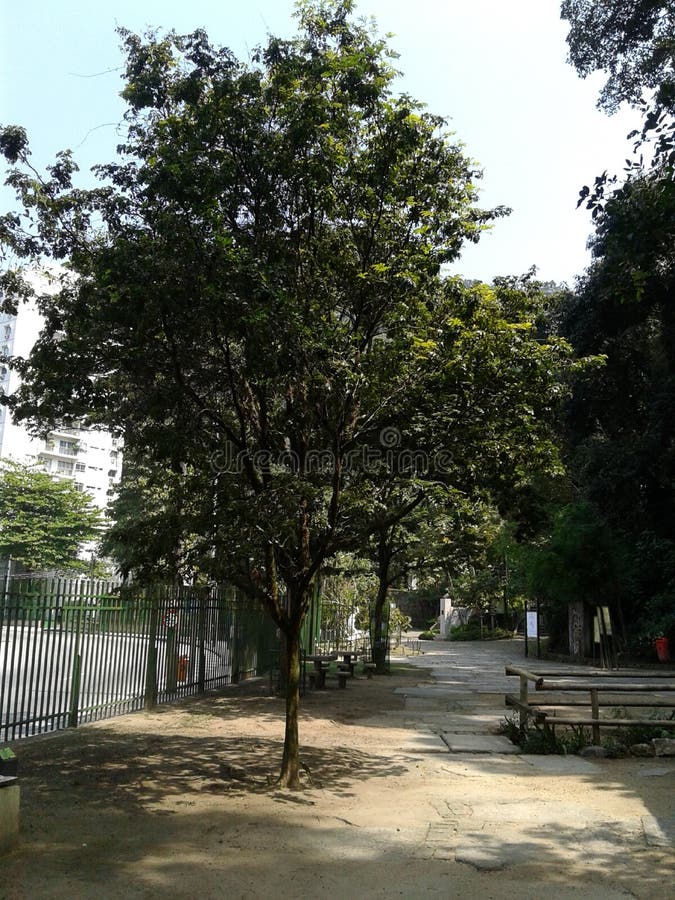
599,686
342,677
369,668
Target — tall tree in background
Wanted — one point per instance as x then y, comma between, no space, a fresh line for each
44,522
633,41
620,420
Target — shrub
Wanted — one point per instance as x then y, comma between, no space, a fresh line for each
541,739
471,632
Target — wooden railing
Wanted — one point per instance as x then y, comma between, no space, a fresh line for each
602,693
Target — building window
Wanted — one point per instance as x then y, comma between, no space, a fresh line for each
68,448
80,467
64,467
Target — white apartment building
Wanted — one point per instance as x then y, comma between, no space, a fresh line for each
92,458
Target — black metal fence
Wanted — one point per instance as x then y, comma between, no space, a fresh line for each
75,650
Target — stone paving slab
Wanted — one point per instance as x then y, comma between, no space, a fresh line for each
459,723
425,704
431,691
529,814
655,771
424,743
562,765
480,743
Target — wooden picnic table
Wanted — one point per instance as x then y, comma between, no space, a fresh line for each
350,657
321,663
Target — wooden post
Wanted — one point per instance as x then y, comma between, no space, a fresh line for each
595,714
523,700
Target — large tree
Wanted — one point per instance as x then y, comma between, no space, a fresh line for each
620,420
633,41
43,522
252,290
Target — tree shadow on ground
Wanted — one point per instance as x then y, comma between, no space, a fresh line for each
230,851
361,699
142,769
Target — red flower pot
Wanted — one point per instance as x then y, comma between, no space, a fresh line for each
662,649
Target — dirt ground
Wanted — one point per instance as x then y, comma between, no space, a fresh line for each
182,803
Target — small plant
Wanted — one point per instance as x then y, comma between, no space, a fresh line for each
511,729
398,623
536,739
614,747
541,740
643,734
427,636
575,739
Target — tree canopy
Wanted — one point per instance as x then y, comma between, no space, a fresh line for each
43,522
255,299
633,41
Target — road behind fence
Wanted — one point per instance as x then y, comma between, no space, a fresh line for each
75,650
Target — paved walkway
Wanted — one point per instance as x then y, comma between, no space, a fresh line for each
461,710
504,809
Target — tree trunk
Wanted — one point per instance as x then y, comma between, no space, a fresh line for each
290,763
377,639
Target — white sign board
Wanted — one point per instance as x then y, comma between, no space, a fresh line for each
532,624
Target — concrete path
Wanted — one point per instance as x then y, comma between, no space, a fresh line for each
503,809
460,710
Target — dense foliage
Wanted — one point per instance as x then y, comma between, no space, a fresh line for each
609,538
254,298
631,40
43,522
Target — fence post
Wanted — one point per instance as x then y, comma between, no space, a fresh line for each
151,670
171,657
201,625
595,714
234,651
76,676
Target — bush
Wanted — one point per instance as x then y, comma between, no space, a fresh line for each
427,636
471,632
540,739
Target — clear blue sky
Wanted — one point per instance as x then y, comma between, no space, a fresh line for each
495,68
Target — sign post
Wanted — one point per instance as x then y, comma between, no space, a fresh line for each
531,628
